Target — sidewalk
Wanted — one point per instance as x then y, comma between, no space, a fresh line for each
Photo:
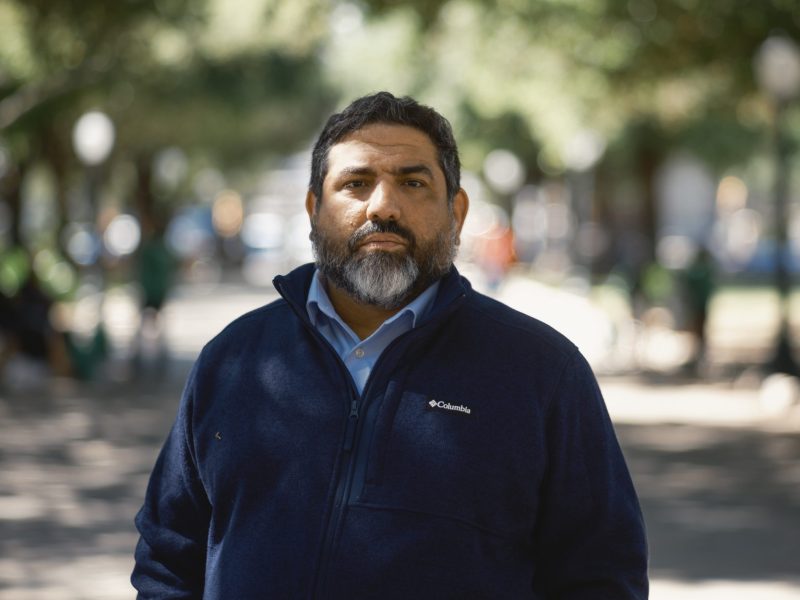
716,468
719,485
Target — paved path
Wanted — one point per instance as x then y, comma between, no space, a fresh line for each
717,472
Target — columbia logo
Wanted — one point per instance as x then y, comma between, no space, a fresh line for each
447,406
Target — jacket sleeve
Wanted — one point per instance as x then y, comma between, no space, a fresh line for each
590,538
173,522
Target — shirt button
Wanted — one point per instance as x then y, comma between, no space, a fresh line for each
359,353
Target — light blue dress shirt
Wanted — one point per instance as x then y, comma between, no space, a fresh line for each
360,356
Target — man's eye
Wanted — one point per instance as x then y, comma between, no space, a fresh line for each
354,184
414,183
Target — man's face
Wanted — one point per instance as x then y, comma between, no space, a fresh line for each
383,230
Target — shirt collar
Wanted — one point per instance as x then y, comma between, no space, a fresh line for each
319,302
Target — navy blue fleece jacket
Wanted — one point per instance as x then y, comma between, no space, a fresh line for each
479,462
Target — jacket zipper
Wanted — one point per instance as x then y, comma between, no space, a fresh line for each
344,487
354,458
341,498
352,423
350,442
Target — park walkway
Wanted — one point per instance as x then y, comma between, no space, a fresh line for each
717,469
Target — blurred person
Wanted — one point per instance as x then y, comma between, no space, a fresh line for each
156,268
384,431
87,337
32,347
698,288
495,254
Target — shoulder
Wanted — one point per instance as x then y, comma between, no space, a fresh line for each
486,314
254,328
489,343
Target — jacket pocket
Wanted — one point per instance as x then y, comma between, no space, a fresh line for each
437,456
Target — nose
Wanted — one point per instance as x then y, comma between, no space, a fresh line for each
383,203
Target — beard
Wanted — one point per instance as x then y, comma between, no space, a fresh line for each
388,280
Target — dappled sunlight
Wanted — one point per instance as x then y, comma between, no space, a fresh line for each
73,471
720,503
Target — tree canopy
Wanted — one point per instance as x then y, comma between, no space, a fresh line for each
236,84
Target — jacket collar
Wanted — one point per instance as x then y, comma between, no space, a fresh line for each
293,286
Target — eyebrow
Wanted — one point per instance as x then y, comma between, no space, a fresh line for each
407,170
357,171
414,169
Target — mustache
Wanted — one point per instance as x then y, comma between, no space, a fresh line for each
371,227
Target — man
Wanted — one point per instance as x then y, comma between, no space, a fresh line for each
383,431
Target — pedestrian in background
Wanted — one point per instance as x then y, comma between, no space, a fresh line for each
156,267
698,280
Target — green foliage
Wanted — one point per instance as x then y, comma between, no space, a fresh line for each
236,82
231,80
566,65
236,111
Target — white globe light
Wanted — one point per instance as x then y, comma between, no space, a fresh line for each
93,138
122,236
504,171
583,150
778,67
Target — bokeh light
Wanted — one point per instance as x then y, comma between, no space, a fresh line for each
583,150
171,166
731,194
778,67
676,251
122,236
227,214
55,274
263,231
298,246
190,233
504,171
93,137
82,243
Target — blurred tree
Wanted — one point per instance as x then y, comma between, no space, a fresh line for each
55,56
233,83
648,76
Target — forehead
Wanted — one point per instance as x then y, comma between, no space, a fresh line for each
381,144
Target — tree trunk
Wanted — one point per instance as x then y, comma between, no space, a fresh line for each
649,160
144,200
56,154
12,192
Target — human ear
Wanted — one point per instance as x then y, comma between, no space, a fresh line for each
311,204
459,209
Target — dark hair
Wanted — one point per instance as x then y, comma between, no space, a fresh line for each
383,107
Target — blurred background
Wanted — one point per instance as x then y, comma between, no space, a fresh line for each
633,176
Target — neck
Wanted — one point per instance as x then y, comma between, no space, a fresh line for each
363,319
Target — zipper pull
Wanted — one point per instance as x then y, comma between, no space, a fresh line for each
350,431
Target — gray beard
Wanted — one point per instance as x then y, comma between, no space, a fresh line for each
383,279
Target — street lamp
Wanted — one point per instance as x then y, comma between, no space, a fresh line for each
92,140
581,154
777,66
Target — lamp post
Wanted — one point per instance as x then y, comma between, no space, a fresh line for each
777,66
581,154
92,140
